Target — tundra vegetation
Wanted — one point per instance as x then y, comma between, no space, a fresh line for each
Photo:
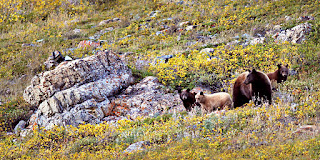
32,29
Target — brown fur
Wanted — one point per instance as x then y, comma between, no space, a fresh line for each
280,75
188,98
261,86
241,93
211,102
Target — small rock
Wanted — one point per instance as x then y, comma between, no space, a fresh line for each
153,13
167,19
288,18
9,133
191,43
190,27
293,72
104,22
207,50
87,43
180,2
310,129
184,23
115,19
246,36
306,18
25,132
20,126
293,107
28,45
40,40
164,58
68,58
259,40
159,32
76,31
135,147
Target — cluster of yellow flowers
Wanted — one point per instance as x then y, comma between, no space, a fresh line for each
15,10
224,62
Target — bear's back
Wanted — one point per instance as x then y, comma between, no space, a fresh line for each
241,93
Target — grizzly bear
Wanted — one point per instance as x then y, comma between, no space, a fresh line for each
241,93
261,86
211,102
188,98
280,75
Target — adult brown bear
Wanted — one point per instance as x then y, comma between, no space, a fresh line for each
280,75
188,98
241,93
261,86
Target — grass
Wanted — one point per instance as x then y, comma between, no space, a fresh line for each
264,132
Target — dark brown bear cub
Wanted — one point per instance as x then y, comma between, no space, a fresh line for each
188,98
241,93
280,75
261,86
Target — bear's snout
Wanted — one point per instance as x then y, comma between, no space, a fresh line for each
285,75
184,97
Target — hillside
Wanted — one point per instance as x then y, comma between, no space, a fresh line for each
205,43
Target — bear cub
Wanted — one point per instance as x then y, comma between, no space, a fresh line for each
211,102
280,75
188,98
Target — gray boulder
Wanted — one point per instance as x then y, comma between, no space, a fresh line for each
77,91
19,127
138,146
296,34
147,98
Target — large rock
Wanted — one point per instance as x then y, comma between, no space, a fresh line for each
77,91
147,98
76,73
296,34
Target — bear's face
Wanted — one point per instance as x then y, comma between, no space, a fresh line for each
250,77
200,98
186,95
283,70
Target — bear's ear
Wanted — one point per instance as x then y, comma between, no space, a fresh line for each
194,93
254,70
279,66
287,65
188,90
179,90
201,93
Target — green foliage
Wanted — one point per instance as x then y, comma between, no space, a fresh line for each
12,112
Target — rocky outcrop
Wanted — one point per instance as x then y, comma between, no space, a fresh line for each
87,91
147,98
77,91
296,34
74,74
